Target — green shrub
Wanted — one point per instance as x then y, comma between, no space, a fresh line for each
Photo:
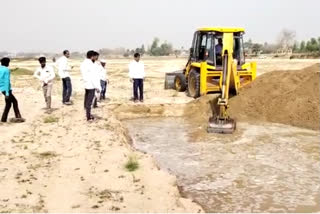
132,164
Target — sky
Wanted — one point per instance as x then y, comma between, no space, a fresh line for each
79,25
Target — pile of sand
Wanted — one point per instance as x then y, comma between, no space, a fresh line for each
288,97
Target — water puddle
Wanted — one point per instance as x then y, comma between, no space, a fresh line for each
261,168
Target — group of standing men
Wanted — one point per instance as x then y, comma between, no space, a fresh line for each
94,76
93,73
45,73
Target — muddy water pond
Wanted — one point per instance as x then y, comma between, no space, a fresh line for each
260,168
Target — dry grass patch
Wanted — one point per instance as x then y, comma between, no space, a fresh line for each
51,119
21,72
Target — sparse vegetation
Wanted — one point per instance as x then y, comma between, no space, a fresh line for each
108,126
132,164
48,154
50,119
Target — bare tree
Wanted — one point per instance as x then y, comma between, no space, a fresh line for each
286,39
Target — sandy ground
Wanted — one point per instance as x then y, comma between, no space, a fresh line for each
73,166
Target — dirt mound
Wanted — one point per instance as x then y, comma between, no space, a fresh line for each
199,110
289,97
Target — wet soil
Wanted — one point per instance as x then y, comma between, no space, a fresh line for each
263,167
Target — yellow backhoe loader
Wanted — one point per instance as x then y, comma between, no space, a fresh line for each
216,65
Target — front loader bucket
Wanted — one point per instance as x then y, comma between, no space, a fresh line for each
169,79
221,126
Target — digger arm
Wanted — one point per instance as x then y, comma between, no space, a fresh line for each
222,123
227,59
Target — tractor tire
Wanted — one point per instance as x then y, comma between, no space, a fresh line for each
194,84
180,82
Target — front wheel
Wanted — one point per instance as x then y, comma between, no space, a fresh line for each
194,84
180,82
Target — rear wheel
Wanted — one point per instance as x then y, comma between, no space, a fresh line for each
180,82
194,84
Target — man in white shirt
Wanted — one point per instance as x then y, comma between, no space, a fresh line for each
91,84
63,70
46,75
137,75
103,79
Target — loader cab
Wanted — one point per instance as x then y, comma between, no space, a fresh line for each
204,72
204,48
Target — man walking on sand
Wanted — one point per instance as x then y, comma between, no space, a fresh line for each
46,75
5,88
63,70
87,69
137,75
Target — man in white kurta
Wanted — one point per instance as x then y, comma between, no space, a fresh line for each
87,69
45,73
64,69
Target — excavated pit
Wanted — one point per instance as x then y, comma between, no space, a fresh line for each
264,166
261,168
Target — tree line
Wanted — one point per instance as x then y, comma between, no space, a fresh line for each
310,46
285,43
156,49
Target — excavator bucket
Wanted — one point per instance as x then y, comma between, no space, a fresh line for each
221,126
